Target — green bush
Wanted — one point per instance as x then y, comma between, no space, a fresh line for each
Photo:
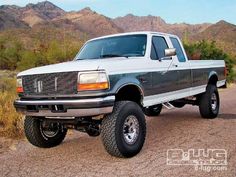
17,54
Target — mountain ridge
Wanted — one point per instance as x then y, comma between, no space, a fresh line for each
131,22
47,15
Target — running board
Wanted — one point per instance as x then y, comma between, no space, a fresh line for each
168,105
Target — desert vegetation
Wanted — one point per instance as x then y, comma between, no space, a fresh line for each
20,50
10,120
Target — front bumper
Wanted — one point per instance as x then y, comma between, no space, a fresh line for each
66,108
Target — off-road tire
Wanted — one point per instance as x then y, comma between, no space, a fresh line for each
112,130
153,110
205,103
35,136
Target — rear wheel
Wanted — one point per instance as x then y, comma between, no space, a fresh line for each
209,102
43,134
123,131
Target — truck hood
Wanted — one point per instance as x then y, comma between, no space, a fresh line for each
81,65
62,67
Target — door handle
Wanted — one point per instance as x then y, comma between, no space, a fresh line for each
175,65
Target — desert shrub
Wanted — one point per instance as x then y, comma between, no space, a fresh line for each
28,60
7,85
10,120
21,53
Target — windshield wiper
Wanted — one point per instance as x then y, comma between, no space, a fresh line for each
112,56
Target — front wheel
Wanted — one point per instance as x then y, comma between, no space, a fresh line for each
43,134
209,103
123,131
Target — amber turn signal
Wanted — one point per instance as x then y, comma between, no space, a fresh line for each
19,90
19,85
93,86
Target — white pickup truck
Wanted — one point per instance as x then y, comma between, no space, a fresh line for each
111,85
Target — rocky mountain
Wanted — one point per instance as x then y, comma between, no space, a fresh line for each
45,15
91,22
33,14
153,23
8,22
223,33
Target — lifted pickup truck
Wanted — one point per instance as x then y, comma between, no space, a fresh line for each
111,85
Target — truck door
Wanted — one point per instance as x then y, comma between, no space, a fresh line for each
183,66
164,78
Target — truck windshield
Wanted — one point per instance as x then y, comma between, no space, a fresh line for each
120,46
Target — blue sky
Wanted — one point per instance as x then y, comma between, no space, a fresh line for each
172,11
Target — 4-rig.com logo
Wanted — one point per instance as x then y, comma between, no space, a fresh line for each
201,159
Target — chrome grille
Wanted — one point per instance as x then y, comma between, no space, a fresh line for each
51,84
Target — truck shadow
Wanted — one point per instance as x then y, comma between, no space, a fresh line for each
227,116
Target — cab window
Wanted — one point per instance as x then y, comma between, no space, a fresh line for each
179,51
158,47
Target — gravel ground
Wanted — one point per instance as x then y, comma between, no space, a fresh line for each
81,155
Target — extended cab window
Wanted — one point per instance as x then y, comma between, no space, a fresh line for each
179,50
158,47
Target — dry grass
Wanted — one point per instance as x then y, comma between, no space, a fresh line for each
10,120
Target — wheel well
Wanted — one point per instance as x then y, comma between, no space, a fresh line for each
213,79
131,93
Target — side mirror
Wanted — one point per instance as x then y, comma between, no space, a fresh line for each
170,52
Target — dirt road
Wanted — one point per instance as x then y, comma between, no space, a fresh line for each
81,155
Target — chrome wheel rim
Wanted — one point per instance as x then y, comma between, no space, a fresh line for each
50,131
131,129
213,101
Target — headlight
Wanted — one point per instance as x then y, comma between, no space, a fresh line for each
19,85
96,80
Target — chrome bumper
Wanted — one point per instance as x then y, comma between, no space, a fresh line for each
66,108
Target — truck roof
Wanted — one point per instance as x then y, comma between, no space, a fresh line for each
134,33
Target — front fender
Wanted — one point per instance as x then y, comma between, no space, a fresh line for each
118,83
